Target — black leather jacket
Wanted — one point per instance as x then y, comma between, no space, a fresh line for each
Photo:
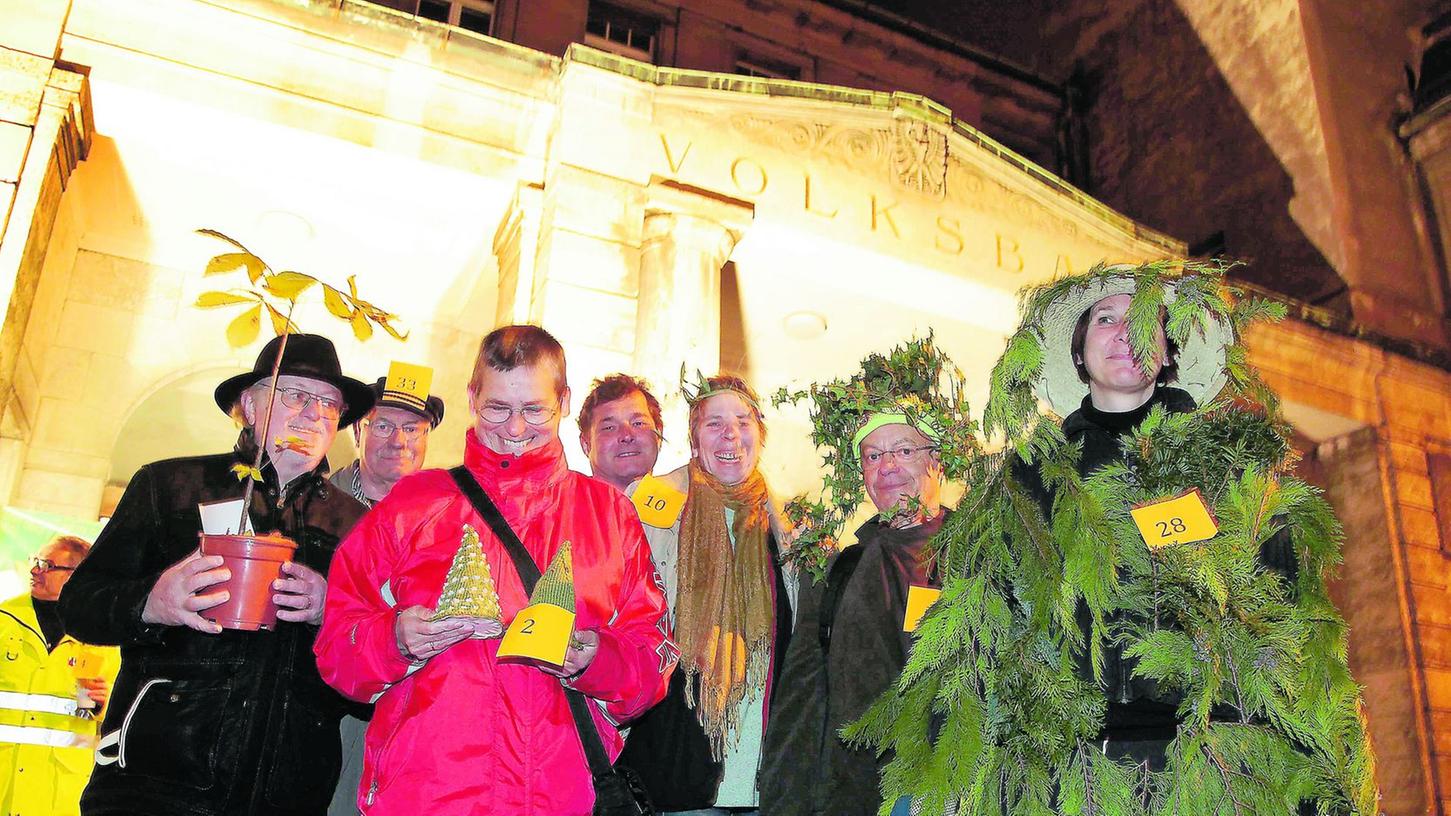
238,722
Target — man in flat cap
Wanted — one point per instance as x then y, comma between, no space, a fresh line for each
393,438
392,441
209,722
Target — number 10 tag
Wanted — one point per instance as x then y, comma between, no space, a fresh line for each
658,503
1183,519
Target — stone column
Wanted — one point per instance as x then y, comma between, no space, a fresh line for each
689,234
1371,594
45,131
516,245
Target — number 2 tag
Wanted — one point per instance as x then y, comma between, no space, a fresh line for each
658,503
1183,519
540,631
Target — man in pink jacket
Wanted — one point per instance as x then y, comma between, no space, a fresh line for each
456,729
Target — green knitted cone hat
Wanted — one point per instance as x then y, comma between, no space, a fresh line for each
556,585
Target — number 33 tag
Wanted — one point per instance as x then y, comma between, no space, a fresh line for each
1183,519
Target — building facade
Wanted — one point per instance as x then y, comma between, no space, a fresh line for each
810,185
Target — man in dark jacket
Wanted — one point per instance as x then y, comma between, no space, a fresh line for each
855,630
209,721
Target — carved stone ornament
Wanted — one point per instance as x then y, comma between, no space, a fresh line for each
919,157
856,148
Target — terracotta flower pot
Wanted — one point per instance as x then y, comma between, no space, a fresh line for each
255,561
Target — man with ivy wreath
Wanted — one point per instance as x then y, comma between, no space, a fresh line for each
1082,660
892,429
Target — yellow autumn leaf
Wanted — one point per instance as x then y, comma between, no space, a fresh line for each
280,324
292,443
245,327
335,303
211,300
245,471
388,327
362,329
288,285
211,233
232,261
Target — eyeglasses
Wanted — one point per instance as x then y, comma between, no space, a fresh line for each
903,455
298,399
383,429
533,414
46,565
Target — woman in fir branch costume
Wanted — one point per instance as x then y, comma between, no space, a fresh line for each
1070,668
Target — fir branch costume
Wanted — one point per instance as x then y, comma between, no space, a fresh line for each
1004,704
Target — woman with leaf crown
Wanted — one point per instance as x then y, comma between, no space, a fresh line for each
1134,618
699,750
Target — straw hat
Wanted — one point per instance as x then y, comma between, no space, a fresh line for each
1201,356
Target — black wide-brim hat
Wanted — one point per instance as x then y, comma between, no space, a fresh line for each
307,355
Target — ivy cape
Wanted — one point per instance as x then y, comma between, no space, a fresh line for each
1054,606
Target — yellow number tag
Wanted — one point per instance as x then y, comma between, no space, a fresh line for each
540,631
409,382
658,503
918,599
87,665
1183,519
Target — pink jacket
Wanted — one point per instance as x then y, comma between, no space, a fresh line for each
466,733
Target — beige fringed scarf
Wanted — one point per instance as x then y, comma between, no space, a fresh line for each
724,606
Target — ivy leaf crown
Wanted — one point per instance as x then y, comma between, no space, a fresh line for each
916,379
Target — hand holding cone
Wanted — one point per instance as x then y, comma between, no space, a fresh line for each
468,590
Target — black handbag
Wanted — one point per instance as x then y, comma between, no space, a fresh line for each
618,791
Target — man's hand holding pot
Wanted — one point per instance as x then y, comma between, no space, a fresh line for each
178,597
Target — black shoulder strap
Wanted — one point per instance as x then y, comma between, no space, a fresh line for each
841,572
589,737
523,562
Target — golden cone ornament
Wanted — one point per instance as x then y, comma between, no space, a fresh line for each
468,590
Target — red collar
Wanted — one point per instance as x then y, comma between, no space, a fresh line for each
532,469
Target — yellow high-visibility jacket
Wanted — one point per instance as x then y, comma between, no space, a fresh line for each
47,749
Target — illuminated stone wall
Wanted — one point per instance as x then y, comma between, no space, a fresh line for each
649,217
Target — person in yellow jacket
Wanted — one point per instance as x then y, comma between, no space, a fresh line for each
53,692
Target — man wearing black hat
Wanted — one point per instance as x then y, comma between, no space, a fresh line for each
392,441
207,721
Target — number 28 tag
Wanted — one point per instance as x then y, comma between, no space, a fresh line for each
1183,519
658,503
